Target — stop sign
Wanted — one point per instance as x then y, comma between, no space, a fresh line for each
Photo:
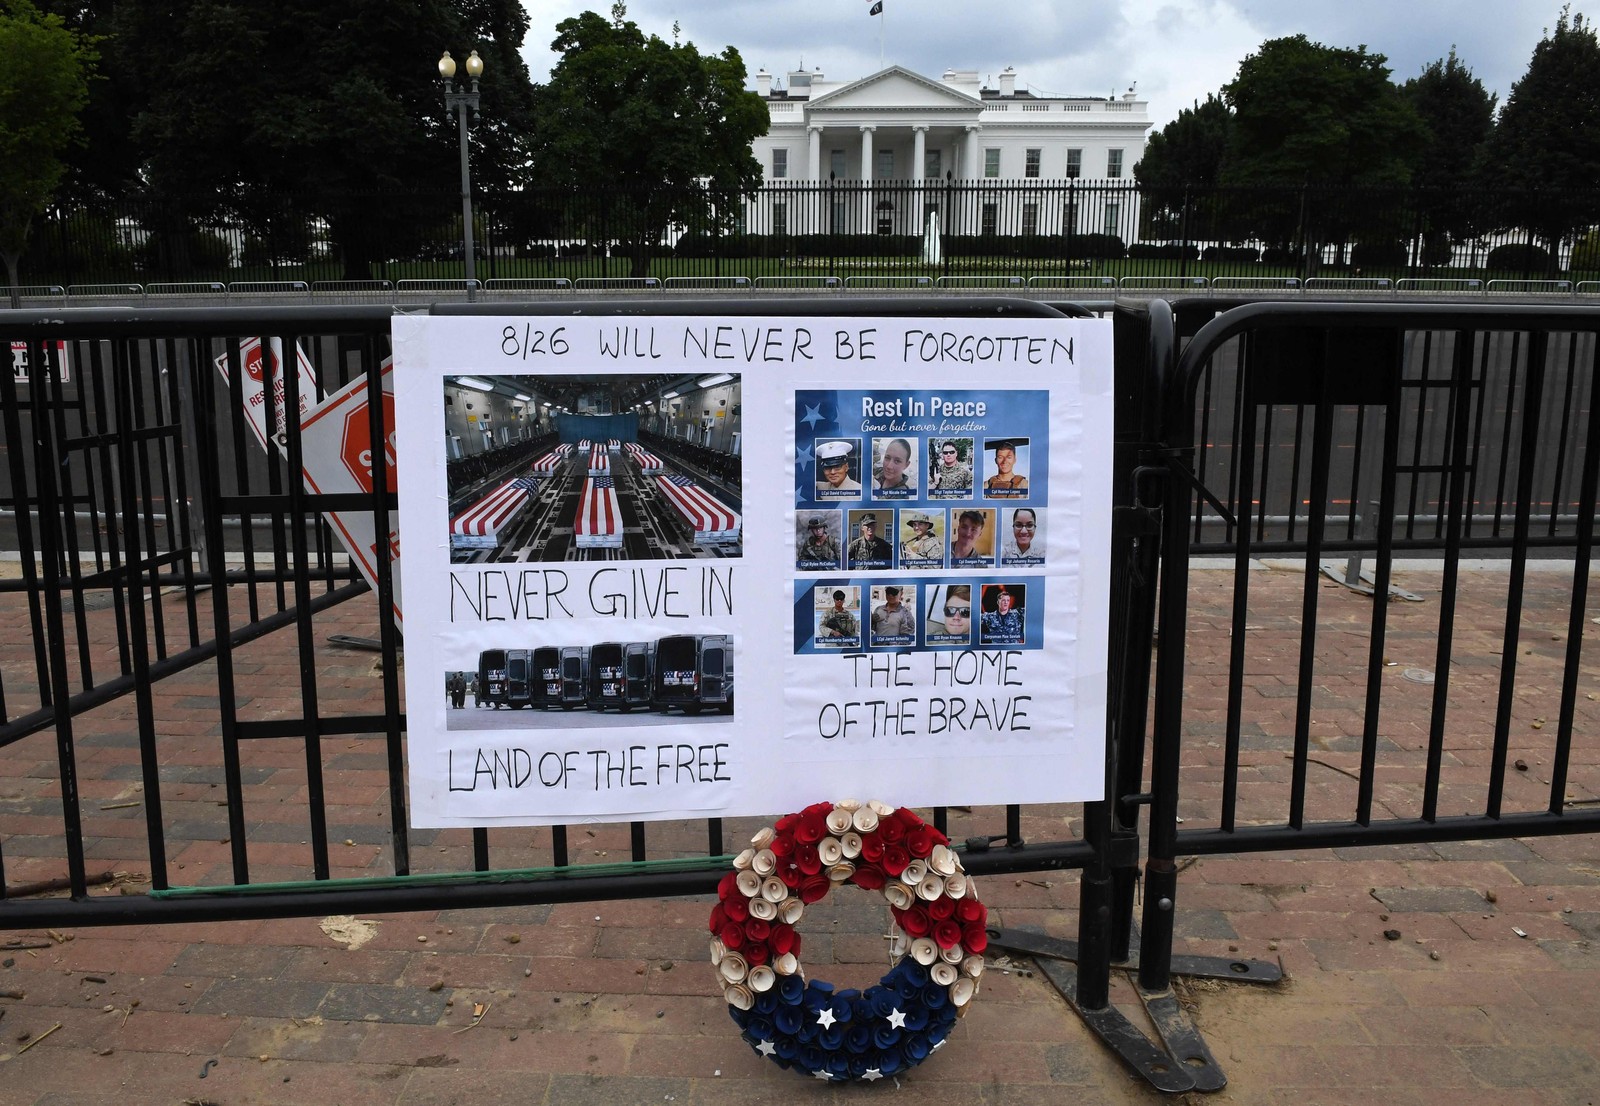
355,444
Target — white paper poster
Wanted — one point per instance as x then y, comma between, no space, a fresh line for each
896,589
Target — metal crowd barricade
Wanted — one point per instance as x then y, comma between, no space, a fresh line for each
1487,444
146,513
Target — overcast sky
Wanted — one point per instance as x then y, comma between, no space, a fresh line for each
1177,51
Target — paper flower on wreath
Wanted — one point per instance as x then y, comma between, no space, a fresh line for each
938,941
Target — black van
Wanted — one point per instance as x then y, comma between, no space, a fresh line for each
503,677
694,671
619,674
574,677
547,676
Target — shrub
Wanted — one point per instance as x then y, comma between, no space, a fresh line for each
1164,251
1232,253
1520,257
1381,254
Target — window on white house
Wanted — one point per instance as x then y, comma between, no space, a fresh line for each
1113,218
1031,162
932,164
1030,218
780,218
991,161
1074,163
1069,217
1113,163
836,164
837,217
780,164
990,223
885,169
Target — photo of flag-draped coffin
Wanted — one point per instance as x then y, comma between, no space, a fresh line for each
549,462
564,450
599,521
599,461
648,463
584,444
614,444
709,518
479,526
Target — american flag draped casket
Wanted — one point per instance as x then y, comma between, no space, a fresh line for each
648,463
709,518
599,521
479,526
599,461
549,462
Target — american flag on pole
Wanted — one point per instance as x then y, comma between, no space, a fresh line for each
599,461
599,522
709,518
479,526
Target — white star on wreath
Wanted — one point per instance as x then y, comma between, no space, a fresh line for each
822,1074
897,1019
767,1048
871,1074
826,1019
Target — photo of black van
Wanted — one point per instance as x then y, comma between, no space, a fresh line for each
694,671
620,674
547,675
574,677
503,678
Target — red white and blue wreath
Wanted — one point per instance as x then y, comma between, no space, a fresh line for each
938,940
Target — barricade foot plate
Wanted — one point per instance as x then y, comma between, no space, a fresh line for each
1124,1038
1183,1040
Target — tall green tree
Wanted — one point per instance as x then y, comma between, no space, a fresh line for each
1546,144
1180,169
661,131
1305,112
1311,121
1457,115
234,104
44,84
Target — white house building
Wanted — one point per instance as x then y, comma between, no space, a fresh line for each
901,127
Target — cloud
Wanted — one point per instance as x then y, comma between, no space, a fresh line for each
1178,51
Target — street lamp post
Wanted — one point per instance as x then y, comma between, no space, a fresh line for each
461,102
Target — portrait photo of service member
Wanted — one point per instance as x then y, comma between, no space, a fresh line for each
836,459
837,624
817,543
1008,468
868,549
950,468
972,539
893,476
949,619
1024,542
894,622
1003,620
921,539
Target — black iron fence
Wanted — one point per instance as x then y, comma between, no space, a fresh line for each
832,229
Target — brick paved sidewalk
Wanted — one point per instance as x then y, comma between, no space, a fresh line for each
1467,973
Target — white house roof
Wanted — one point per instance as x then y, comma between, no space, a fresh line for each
898,86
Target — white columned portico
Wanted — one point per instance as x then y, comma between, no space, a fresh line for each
814,153
919,169
866,178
